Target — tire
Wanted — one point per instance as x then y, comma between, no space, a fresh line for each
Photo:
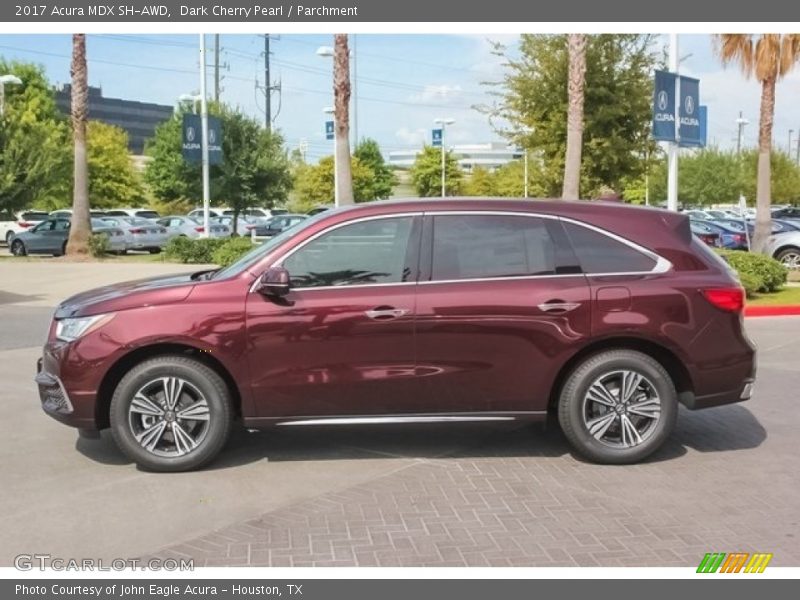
789,257
206,430
9,235
63,250
154,250
612,440
18,248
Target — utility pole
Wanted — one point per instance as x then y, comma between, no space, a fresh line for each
204,134
741,122
267,86
216,67
789,147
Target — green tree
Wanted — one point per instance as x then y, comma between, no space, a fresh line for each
707,176
313,184
255,170
510,179
481,182
784,177
533,99
33,139
383,179
426,173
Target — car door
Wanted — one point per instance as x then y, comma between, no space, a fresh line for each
37,240
342,342
500,302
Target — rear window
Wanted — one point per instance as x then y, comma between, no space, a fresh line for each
599,253
147,214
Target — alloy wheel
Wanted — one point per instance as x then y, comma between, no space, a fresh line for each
169,417
621,409
791,260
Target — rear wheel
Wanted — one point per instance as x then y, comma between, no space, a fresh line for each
171,413
618,407
63,250
790,258
18,248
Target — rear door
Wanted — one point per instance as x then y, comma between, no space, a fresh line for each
501,304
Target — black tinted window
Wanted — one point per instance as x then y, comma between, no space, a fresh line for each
360,253
598,253
34,216
479,246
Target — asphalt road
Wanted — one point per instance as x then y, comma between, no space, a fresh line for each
471,494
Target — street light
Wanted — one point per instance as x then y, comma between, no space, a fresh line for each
329,110
193,98
327,52
444,123
10,80
204,138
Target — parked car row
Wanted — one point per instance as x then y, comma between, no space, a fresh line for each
50,237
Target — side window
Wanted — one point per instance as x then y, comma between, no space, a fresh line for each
360,253
61,225
599,253
175,223
483,246
44,226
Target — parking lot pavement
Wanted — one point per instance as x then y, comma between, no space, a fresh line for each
424,495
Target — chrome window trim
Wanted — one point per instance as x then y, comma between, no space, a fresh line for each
662,264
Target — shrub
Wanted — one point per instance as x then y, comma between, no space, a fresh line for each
751,283
196,252
229,252
99,245
761,272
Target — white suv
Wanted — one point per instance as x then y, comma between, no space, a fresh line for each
12,224
139,213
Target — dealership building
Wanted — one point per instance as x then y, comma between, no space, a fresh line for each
489,156
138,119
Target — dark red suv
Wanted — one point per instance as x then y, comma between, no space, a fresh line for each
426,310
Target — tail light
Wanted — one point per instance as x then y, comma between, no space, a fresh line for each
250,227
728,299
200,229
25,224
136,230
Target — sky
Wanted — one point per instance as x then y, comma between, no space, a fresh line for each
404,81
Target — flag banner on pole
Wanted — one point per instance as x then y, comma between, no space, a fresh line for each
193,139
664,107
690,126
436,137
329,130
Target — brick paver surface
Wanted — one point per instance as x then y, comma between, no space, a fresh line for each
727,481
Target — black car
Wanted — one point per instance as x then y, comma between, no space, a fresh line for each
276,225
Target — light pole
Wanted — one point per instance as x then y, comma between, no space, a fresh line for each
329,110
327,52
6,80
204,138
444,123
193,98
672,147
789,147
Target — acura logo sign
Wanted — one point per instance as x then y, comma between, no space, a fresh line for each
688,104
663,100
190,134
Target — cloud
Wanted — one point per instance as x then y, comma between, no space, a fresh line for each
443,94
411,137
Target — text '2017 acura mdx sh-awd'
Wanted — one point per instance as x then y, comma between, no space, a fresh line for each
425,310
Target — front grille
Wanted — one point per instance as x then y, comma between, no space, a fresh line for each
52,394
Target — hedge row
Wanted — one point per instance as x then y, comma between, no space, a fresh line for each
218,251
757,272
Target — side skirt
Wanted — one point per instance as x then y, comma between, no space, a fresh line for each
265,422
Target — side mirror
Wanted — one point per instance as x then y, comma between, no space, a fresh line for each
275,282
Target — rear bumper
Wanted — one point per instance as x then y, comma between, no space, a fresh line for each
740,393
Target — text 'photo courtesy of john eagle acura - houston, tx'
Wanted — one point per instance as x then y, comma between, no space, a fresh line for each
605,315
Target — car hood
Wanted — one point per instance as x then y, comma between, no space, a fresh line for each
128,295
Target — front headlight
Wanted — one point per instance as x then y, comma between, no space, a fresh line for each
69,330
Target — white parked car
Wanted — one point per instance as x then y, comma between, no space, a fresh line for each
11,224
244,225
140,234
785,247
66,213
222,211
177,225
142,213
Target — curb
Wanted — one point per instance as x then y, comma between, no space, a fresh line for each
772,311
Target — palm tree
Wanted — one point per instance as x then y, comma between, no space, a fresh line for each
768,57
341,97
576,47
80,228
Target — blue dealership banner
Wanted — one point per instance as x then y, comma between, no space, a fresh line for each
192,139
329,133
436,137
664,107
689,130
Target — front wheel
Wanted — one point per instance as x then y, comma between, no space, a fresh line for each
171,413
18,248
618,407
790,258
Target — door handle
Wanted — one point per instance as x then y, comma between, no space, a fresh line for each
384,314
557,306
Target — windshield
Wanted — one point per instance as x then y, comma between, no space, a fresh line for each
262,250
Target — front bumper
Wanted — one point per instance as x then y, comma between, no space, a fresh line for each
56,401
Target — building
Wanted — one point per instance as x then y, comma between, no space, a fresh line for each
138,119
489,156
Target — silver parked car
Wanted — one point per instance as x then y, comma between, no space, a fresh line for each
141,234
785,247
50,237
178,225
244,225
